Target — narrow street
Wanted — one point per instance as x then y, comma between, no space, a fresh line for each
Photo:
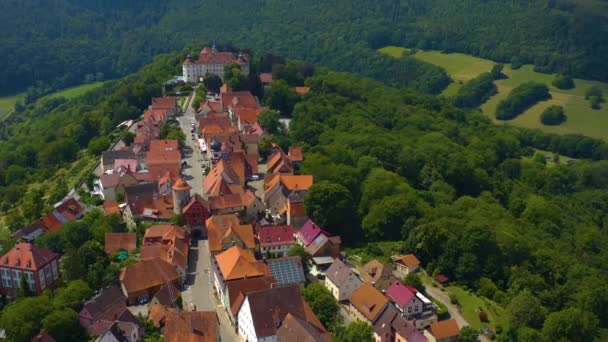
199,283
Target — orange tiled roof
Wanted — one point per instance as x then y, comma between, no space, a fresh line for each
27,256
369,301
445,329
220,227
408,260
237,263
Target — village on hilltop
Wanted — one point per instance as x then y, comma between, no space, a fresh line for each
228,246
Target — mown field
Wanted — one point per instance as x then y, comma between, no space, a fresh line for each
7,104
581,118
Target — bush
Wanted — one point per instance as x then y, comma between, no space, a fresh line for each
453,299
594,91
563,82
483,315
553,116
516,63
595,102
521,98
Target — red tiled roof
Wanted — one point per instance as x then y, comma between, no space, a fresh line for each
70,209
248,115
118,241
215,57
221,227
27,256
238,263
147,274
238,289
295,153
166,102
275,235
408,260
111,208
239,99
50,223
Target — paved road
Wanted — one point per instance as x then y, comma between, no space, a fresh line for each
193,173
199,289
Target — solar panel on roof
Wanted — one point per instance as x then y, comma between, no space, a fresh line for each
286,271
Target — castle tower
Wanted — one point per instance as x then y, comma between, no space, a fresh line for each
181,195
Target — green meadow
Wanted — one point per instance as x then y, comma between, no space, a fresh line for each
581,118
394,51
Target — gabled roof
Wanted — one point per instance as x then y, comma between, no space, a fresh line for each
369,301
222,179
222,227
108,157
117,241
295,329
109,299
27,256
185,326
378,274
226,201
69,210
338,272
166,232
239,99
248,115
275,235
167,295
400,294
167,102
238,289
392,322
309,232
445,329
295,153
50,222
147,274
193,202
287,270
238,263
270,307
408,260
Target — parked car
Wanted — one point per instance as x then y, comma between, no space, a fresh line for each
255,177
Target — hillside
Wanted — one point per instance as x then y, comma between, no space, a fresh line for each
65,41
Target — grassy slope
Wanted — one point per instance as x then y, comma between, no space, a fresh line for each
74,91
7,104
581,118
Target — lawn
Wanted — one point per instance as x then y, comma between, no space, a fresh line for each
382,251
470,303
7,104
72,92
394,51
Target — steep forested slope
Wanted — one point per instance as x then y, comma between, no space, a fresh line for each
63,41
454,189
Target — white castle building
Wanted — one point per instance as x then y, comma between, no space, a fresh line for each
210,61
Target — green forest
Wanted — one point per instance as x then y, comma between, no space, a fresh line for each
51,45
462,195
